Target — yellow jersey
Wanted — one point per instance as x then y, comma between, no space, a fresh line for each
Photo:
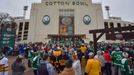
57,53
83,49
93,67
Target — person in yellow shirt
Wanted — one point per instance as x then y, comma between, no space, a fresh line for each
93,66
57,52
83,49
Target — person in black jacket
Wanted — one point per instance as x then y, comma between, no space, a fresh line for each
18,66
45,68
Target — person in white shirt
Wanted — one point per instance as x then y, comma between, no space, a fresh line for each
3,64
76,64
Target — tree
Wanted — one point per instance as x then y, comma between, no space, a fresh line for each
6,21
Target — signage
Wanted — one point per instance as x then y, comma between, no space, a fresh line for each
46,19
66,25
66,3
87,19
7,37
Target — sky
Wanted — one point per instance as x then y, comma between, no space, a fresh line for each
118,8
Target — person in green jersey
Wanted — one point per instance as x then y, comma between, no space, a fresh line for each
40,53
116,58
35,63
125,67
131,59
30,57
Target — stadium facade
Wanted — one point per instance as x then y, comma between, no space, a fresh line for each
52,18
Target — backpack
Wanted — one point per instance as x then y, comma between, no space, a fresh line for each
42,69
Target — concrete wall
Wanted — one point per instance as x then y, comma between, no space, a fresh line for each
39,31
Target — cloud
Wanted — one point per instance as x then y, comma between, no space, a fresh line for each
119,8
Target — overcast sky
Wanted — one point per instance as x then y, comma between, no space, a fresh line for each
119,8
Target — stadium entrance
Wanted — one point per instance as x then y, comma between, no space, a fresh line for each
67,39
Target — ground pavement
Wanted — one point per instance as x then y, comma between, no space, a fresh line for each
12,59
28,70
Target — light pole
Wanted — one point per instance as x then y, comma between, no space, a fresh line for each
107,9
25,9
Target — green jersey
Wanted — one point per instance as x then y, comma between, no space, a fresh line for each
35,62
131,51
116,57
125,66
30,55
40,53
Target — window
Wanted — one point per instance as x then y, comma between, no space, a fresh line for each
20,26
26,26
118,24
19,38
111,25
130,25
25,32
106,24
19,33
25,37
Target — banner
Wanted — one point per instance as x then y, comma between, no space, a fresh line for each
66,25
7,37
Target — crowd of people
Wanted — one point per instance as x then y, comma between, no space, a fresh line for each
74,57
